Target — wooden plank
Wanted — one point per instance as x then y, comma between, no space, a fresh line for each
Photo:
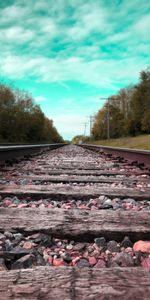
81,172
85,179
75,283
84,172
77,192
78,224
70,167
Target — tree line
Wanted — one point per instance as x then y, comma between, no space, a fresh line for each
127,113
21,119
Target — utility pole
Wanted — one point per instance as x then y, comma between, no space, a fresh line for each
91,123
85,125
108,117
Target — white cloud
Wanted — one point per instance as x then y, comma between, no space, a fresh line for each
40,99
16,34
13,13
142,26
89,18
99,73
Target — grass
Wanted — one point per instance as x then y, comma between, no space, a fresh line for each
138,142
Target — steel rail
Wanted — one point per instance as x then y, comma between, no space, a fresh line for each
19,151
136,155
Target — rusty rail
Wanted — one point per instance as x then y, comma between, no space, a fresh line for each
19,151
139,156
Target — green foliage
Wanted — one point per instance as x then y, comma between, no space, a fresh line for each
79,139
140,105
21,120
128,112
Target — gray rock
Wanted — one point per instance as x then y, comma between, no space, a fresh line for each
112,246
2,237
146,208
131,201
101,242
69,247
54,254
102,198
23,181
116,206
107,202
124,259
46,240
16,200
37,237
79,247
137,259
106,206
8,245
18,236
100,264
24,262
126,242
40,260
17,252
66,257
82,263
8,235
89,204
116,200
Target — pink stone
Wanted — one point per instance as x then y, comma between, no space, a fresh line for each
22,205
28,245
141,206
7,202
67,206
146,263
50,259
100,264
93,201
13,205
128,206
42,205
143,246
83,207
92,261
32,205
58,262
75,260
63,205
136,208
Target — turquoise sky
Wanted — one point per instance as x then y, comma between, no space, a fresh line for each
68,53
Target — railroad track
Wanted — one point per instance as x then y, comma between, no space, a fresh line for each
74,223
